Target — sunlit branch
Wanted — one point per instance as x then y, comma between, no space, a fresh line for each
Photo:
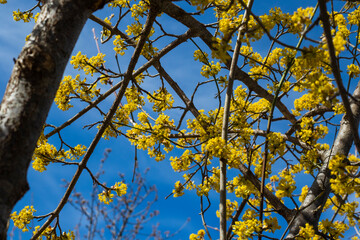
225,123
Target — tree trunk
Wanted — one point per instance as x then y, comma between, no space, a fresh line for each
30,93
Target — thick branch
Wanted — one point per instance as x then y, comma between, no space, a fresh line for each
31,91
320,189
225,125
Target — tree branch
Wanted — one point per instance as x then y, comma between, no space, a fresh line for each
320,189
31,90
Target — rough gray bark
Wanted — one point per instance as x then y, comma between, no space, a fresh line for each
31,91
319,191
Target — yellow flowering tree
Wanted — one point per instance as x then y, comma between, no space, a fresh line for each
267,122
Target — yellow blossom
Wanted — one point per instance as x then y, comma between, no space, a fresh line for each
24,217
120,188
179,189
199,236
106,197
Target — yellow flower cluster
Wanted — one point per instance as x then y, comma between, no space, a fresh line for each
158,134
341,35
299,19
305,102
93,63
251,213
284,88
228,26
211,69
179,189
45,153
199,236
259,107
220,49
354,17
196,125
310,160
342,183
162,100
3,1
271,224
254,57
134,29
122,115
276,143
25,16
77,88
257,159
24,217
138,10
307,233
105,32
241,186
247,229
106,196
149,50
312,59
237,153
182,163
120,188
286,185
269,20
339,109
82,62
318,85
304,192
334,229
119,3
310,133
190,184
274,56
216,147
232,8
353,70
349,210
201,56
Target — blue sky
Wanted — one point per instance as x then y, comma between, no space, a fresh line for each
46,188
